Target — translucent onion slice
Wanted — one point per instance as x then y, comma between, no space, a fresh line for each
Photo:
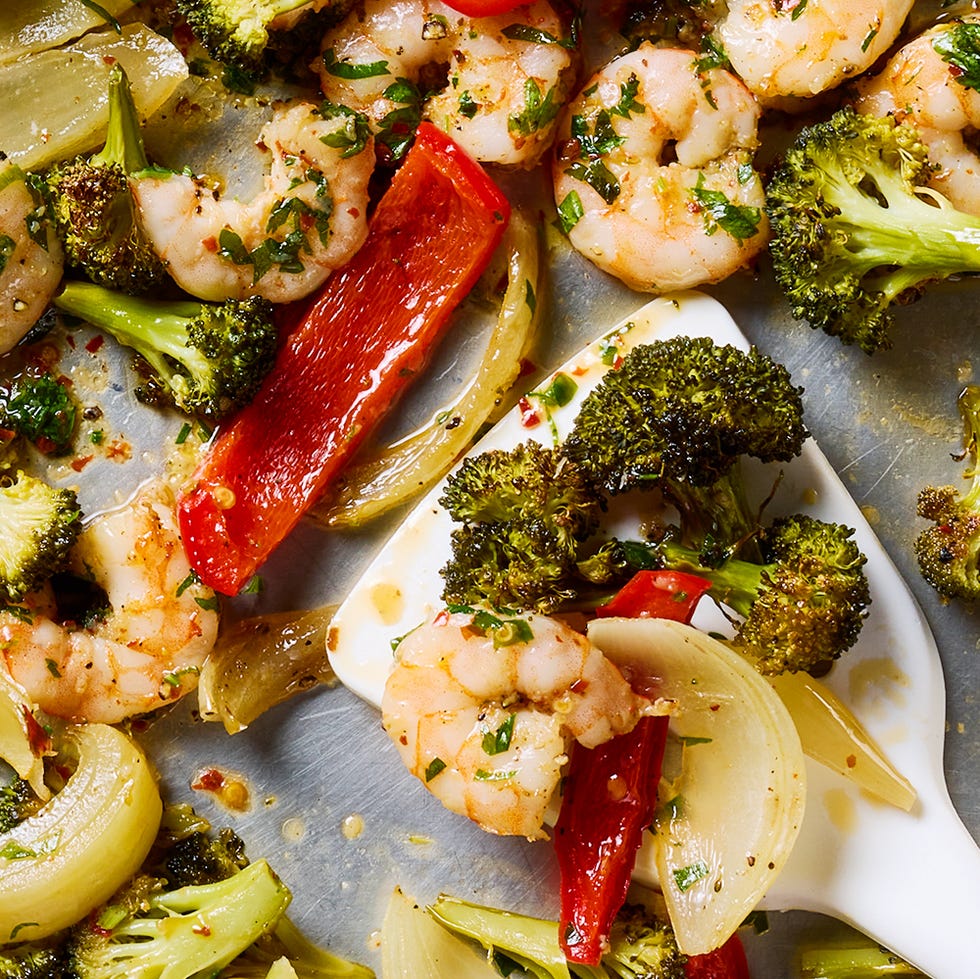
833,736
17,747
26,28
40,125
388,476
84,843
729,815
262,661
415,946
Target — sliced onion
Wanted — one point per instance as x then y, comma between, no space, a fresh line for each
262,661
388,476
833,736
82,845
17,747
43,24
40,125
728,817
415,946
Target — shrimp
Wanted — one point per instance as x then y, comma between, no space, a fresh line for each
147,650
31,258
803,47
310,218
653,173
920,85
508,75
481,710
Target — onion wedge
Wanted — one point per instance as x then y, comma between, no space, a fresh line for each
729,815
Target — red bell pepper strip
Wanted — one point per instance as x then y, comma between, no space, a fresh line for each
351,352
725,962
610,794
657,594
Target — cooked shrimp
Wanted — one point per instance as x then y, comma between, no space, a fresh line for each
147,650
310,218
508,75
31,258
653,173
481,712
920,85
803,47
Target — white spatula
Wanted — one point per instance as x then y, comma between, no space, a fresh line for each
910,880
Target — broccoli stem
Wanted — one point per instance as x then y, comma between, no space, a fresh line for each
155,329
853,962
124,141
968,404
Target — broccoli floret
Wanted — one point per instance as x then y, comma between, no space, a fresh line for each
853,229
802,607
93,208
38,526
205,358
525,514
948,552
17,803
35,960
40,409
678,415
236,32
641,942
201,858
206,927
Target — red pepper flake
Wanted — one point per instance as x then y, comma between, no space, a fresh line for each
851,761
530,416
202,929
210,244
95,344
527,367
442,618
228,788
39,739
80,462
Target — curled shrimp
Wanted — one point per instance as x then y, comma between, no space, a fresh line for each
481,710
146,651
804,47
922,85
507,77
31,257
309,219
653,173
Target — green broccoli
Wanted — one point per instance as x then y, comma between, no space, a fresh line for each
641,942
93,208
35,960
207,926
17,803
236,32
39,408
948,552
205,358
525,514
801,608
678,415
38,526
203,858
854,230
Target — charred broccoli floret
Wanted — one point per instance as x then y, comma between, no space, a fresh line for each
34,960
641,942
678,415
206,358
948,552
93,207
39,408
38,526
525,514
17,803
204,858
236,32
802,607
853,230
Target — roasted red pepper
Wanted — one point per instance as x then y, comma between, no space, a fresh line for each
657,594
610,793
726,962
350,353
